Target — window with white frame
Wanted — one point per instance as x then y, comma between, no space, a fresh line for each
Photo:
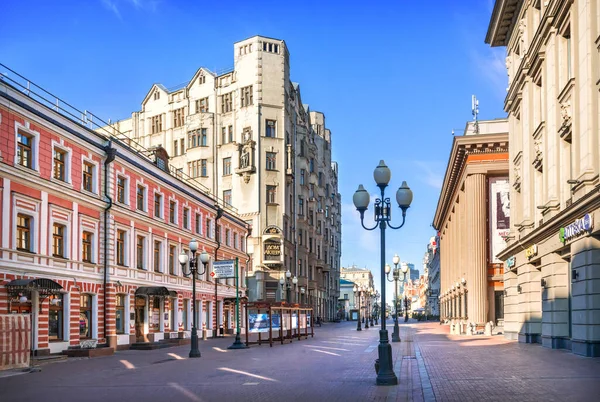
122,245
209,228
157,260
59,240
228,237
123,189
141,197
140,252
158,205
173,211
172,259
25,227
61,164
26,147
186,218
87,246
235,241
198,223
89,180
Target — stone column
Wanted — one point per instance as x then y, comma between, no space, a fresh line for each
530,317
477,239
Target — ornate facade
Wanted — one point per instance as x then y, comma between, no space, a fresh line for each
472,216
553,248
245,136
92,230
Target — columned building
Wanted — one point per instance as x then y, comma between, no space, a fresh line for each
92,229
472,216
553,252
431,263
245,136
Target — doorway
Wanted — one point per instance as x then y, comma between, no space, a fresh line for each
140,319
498,306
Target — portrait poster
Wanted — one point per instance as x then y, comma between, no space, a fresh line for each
499,219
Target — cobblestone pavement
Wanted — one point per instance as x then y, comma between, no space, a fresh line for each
335,365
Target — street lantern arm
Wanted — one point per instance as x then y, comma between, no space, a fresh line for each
403,220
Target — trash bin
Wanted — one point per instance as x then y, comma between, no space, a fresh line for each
221,330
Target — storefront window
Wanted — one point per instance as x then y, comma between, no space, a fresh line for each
120,314
55,318
85,317
184,317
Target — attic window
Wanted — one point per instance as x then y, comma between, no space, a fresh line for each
201,80
156,95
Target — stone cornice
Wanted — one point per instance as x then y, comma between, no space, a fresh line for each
462,147
503,19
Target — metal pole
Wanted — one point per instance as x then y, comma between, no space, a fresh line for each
194,351
386,375
358,328
237,344
396,333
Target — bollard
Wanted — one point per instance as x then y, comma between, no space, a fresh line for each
204,334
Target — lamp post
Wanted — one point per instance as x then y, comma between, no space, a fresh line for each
193,271
357,294
287,282
383,211
396,276
237,344
404,268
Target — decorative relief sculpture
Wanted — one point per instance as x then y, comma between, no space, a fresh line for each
517,178
565,111
246,156
522,28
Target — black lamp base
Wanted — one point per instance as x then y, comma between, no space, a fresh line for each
237,344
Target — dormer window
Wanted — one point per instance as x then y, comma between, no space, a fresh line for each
156,95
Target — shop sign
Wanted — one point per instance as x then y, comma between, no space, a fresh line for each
510,263
576,228
531,252
272,250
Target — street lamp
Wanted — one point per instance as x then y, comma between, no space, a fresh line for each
287,282
357,294
383,211
193,272
396,276
404,268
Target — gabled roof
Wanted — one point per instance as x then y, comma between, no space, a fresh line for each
197,74
155,85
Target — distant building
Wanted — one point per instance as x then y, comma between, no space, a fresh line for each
431,266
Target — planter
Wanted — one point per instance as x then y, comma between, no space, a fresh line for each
81,352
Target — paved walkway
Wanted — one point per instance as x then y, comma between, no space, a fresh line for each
335,365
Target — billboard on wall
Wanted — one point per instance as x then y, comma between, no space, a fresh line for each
499,215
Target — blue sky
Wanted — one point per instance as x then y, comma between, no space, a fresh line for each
392,77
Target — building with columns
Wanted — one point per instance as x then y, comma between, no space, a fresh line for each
92,229
472,217
245,136
552,257
431,267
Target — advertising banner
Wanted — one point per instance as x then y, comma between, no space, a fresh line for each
499,215
260,322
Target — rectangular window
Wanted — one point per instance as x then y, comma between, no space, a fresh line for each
140,195
227,197
58,240
246,96
202,105
226,166
175,146
24,150
172,256
120,314
209,232
203,168
226,103
230,130
302,176
140,252
198,223
120,247
300,206
271,161
60,157
182,146
88,177
156,256
85,317
178,117
172,211
203,138
223,135
186,218
121,189
24,232
157,205
55,317
271,194
86,246
270,129
312,165
235,241
156,124
227,237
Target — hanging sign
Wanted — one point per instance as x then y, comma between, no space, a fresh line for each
223,269
272,249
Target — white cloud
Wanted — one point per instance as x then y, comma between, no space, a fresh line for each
432,177
112,6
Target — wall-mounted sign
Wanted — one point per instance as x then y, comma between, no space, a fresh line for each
531,252
510,263
576,228
499,215
272,230
272,249
224,269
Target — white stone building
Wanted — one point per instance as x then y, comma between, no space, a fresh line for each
552,253
247,138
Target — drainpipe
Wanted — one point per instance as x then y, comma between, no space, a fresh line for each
110,156
218,239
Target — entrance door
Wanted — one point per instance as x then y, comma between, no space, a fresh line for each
226,319
139,324
499,305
